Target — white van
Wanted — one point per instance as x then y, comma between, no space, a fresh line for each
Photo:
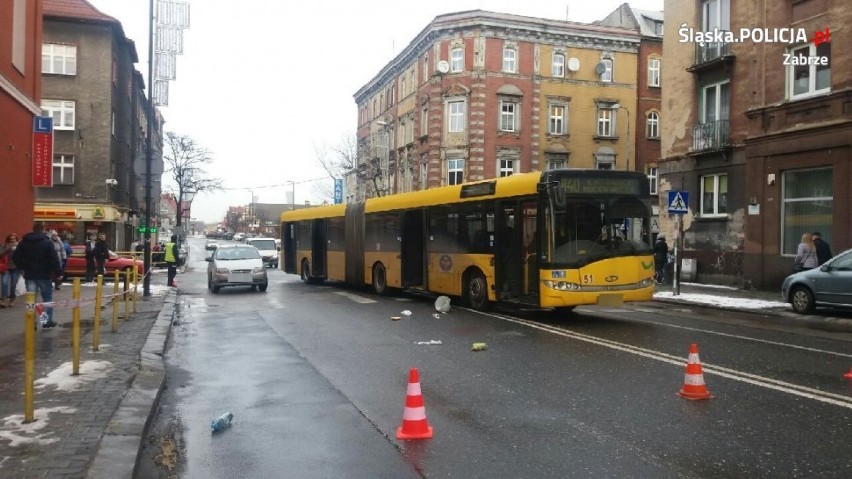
268,250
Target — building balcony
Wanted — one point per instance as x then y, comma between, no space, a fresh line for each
710,55
711,136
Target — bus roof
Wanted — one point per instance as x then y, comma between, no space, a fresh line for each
505,187
323,211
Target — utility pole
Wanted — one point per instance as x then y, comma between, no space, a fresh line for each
146,283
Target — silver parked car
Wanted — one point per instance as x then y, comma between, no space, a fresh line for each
236,265
827,285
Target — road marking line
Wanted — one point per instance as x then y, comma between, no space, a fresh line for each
355,297
769,383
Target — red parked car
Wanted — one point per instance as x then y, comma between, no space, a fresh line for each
76,266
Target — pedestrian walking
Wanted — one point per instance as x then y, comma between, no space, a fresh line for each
806,256
172,255
661,258
101,254
60,253
36,257
90,259
9,272
823,250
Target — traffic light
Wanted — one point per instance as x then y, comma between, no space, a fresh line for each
153,229
140,229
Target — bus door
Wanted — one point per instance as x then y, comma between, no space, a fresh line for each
413,249
509,272
288,244
531,247
318,247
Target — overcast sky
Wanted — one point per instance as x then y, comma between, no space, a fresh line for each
262,83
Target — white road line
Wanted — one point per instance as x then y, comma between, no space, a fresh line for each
355,297
769,383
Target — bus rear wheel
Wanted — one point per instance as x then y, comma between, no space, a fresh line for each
476,291
380,279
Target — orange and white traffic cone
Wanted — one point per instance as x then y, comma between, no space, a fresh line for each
693,382
849,374
414,425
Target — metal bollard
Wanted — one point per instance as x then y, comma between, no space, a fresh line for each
115,303
126,295
135,285
75,328
29,359
96,327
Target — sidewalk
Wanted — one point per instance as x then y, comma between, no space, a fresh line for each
92,424
768,305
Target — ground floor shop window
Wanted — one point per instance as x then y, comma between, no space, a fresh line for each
807,206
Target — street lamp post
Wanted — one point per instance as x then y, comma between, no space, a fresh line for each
618,106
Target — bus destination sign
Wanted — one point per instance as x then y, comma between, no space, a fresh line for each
600,186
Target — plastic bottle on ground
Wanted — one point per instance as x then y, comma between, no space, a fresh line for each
222,422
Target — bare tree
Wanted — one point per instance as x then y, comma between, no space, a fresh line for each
337,160
187,162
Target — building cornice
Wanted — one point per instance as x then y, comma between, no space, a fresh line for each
507,26
7,86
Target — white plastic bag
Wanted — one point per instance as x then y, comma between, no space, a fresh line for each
21,287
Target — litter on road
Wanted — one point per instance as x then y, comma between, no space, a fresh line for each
434,341
478,347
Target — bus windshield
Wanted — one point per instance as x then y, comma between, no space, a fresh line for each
581,230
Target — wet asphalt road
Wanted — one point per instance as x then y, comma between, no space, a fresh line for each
316,379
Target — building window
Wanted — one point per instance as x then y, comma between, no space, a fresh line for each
654,72
715,15
424,121
59,59
557,161
506,168
455,171
457,60
714,195
508,115
715,102
605,158
808,201
456,116
558,69
652,125
651,172
63,170
510,60
61,111
424,171
112,124
558,120
606,121
403,88
606,76
806,80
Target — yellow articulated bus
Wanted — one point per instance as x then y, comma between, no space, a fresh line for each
552,239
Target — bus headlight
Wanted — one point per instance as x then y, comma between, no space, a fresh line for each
562,285
646,282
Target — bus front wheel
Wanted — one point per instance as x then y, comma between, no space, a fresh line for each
380,279
477,291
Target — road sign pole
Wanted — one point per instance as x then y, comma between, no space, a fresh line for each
677,246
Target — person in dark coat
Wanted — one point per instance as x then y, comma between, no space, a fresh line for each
37,258
101,253
90,259
661,258
823,250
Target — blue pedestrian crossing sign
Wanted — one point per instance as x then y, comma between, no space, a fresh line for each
678,201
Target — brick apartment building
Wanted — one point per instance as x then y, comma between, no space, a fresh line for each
20,93
100,111
646,118
763,148
479,95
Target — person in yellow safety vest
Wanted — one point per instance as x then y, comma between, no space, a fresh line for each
172,260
